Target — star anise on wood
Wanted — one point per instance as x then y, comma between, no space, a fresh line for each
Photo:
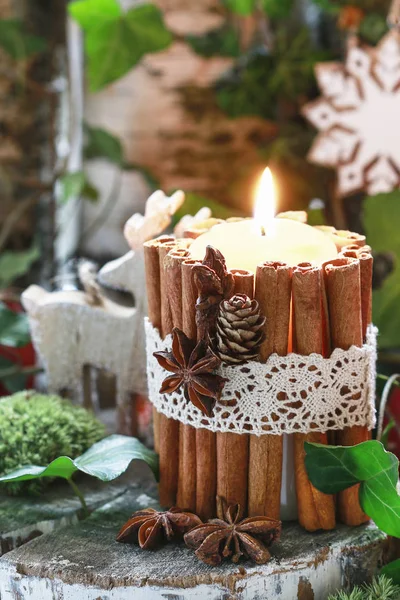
150,528
229,536
214,283
193,367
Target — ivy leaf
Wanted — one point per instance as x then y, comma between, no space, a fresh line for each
74,185
17,42
392,571
105,460
102,144
277,10
332,469
382,234
15,382
116,41
241,7
89,13
15,264
14,328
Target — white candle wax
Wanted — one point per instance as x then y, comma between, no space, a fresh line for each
244,246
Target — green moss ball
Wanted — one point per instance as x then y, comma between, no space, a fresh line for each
35,429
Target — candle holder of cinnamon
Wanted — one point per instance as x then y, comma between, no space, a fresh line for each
244,367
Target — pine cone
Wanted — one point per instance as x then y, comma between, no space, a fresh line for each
239,329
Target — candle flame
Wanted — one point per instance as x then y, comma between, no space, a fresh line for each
265,202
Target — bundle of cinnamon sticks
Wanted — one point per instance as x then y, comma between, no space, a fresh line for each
308,309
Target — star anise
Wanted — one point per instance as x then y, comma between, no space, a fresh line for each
228,535
150,527
193,367
214,283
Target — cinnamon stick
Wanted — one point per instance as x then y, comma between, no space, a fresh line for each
366,267
168,428
315,509
186,496
153,284
342,237
200,444
165,284
294,215
173,274
343,286
197,229
152,272
233,448
273,293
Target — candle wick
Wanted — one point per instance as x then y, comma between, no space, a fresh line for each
262,230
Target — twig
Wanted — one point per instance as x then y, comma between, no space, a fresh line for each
81,497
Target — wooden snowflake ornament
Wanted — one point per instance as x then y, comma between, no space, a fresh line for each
359,117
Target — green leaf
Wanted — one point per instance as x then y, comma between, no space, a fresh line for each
74,185
14,328
382,224
110,457
241,7
335,468
220,42
15,382
89,192
105,460
114,44
17,42
280,9
373,27
102,144
89,13
15,264
392,571
71,186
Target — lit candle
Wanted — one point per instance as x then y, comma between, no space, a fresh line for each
248,243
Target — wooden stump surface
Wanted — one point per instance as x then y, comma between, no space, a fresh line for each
82,560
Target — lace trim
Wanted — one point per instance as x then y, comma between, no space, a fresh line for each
290,394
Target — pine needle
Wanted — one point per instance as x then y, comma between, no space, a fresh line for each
381,588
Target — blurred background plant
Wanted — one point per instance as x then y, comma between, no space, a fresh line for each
243,70
36,429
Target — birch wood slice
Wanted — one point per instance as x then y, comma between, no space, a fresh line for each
25,518
84,562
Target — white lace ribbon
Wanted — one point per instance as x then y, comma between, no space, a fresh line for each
289,394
